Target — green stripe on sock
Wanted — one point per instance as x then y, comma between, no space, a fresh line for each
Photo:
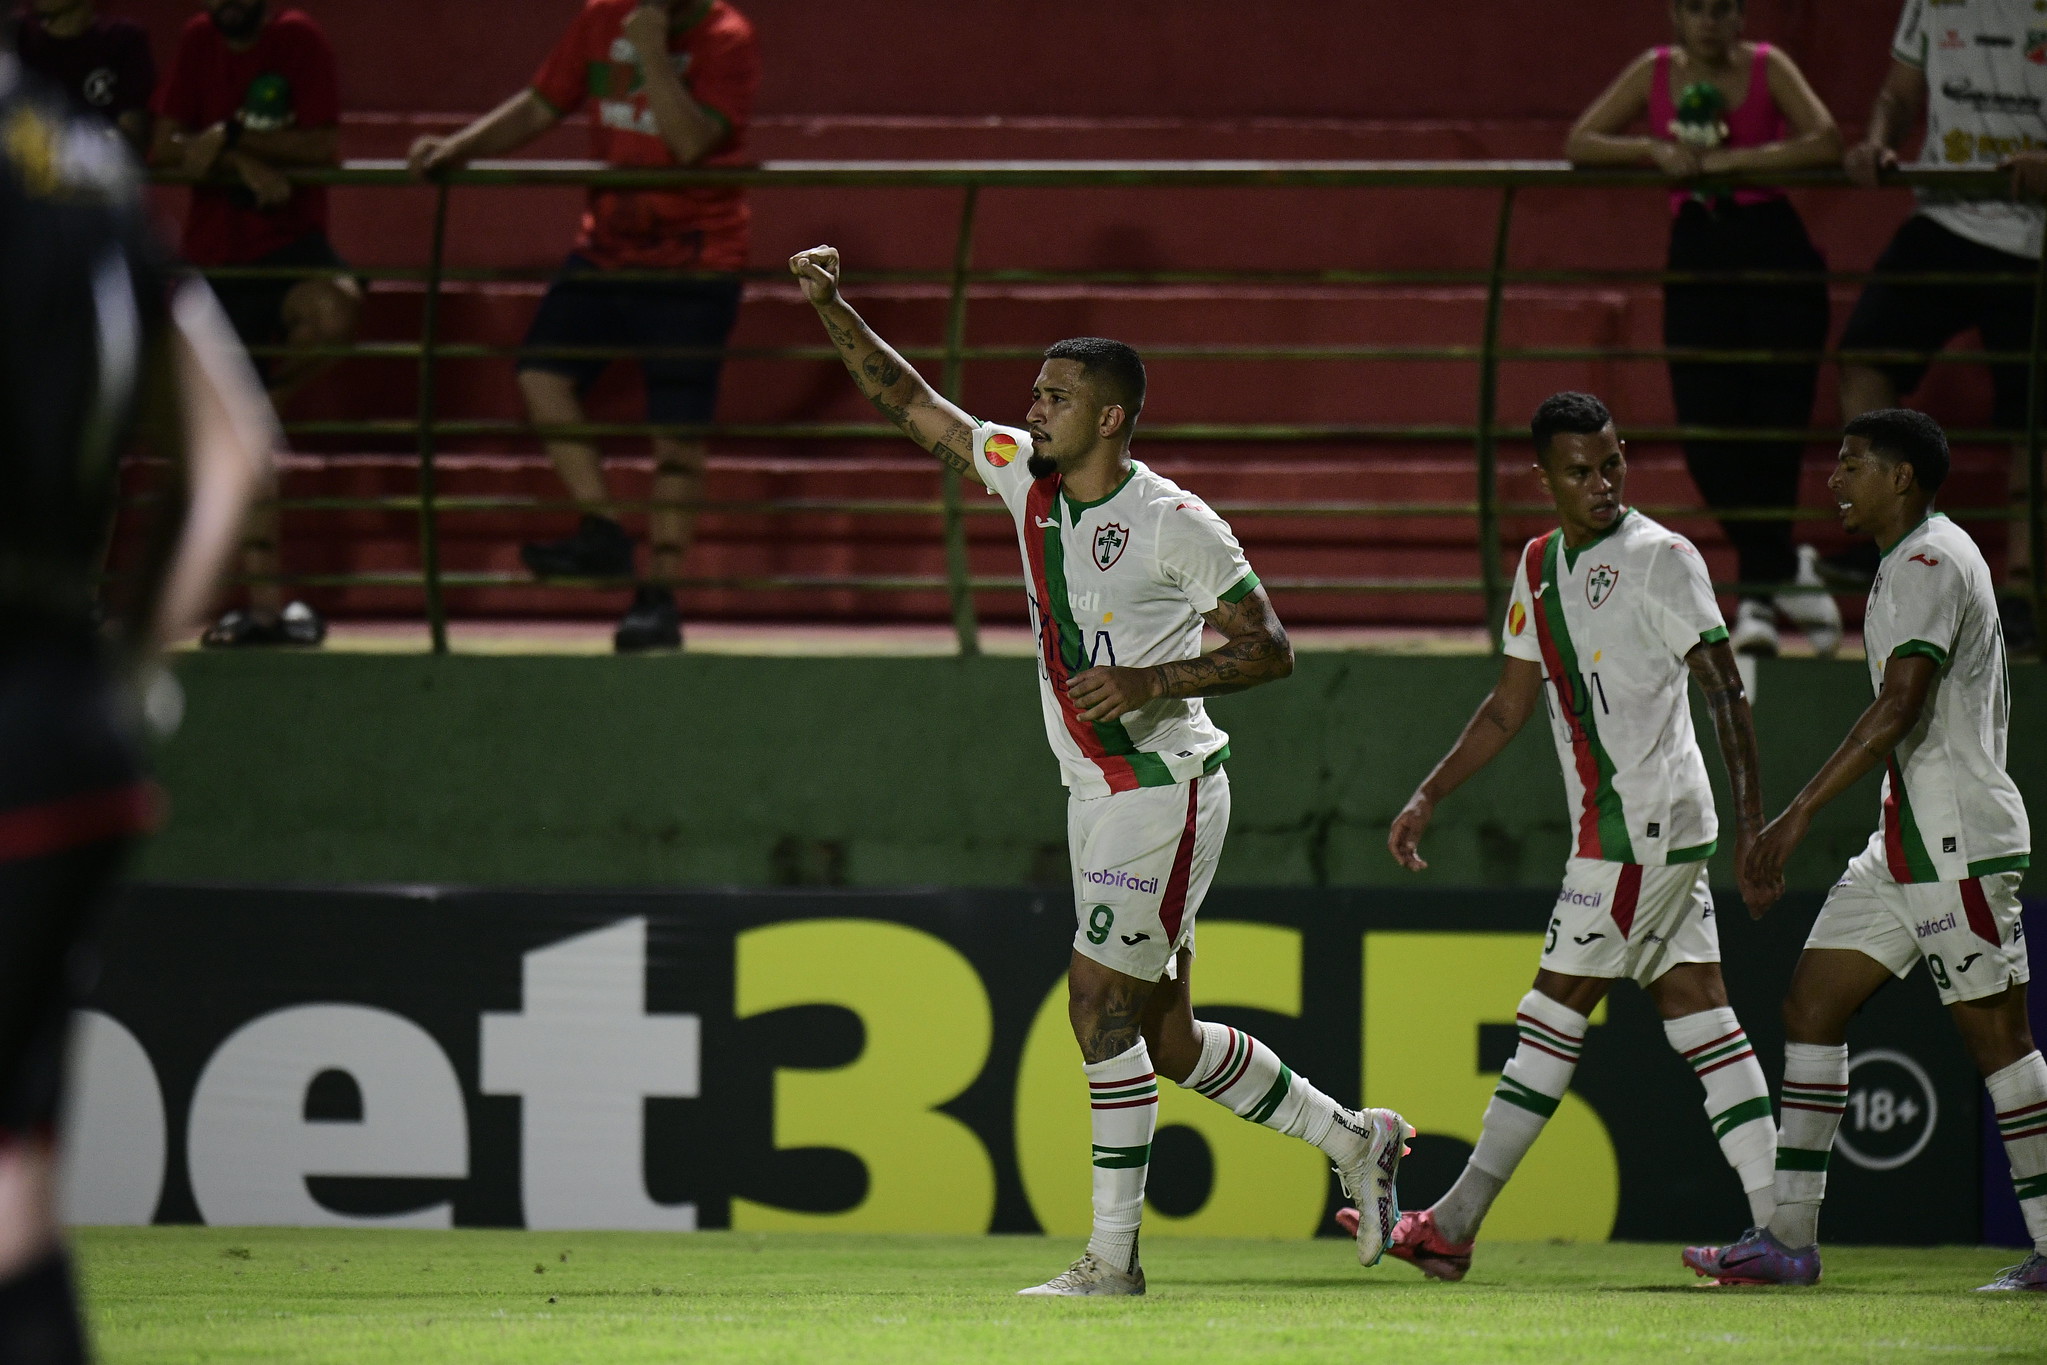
1122,1158
1537,1033
1228,1068
1133,1092
1263,1109
2032,1187
1534,1101
1801,1159
1720,1054
1748,1111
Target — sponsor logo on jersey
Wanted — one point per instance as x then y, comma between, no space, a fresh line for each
1993,40
1600,583
1947,845
1922,559
1583,939
1110,542
1590,899
1000,450
1144,886
2036,46
1951,41
1132,940
1967,962
1929,927
1517,619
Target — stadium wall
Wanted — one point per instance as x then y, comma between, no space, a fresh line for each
879,772
889,1061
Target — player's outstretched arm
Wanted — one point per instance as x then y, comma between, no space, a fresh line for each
1254,651
1908,680
1498,719
1734,724
895,389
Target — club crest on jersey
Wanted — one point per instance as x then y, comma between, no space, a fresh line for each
1600,583
1000,450
1110,542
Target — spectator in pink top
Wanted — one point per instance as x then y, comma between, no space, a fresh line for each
1717,105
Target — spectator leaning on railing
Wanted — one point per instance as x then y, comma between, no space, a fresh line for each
1977,71
1718,105
249,92
104,65
671,83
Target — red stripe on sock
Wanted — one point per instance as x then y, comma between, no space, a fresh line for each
1625,896
1980,919
1817,1108
1723,1038
1549,1028
1243,1065
1525,1042
1737,1057
1127,1104
1118,1085
2026,1133
2004,1114
1817,1085
75,821
1229,1048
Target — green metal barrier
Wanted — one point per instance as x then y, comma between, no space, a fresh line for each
428,427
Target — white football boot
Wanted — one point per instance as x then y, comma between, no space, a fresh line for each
1088,1276
1814,613
1367,1177
1755,629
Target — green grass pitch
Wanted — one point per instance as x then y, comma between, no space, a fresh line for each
271,1295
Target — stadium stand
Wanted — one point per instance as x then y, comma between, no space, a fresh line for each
1400,84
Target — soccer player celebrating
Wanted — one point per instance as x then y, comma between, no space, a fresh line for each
1609,614
1940,877
1124,567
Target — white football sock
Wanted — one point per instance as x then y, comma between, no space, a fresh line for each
2019,1095
1124,1098
1243,1076
1737,1100
1814,1097
1537,1075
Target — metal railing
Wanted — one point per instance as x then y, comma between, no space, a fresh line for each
428,427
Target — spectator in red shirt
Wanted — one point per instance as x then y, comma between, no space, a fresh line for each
250,91
669,83
103,65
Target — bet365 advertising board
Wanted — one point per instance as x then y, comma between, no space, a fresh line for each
899,1061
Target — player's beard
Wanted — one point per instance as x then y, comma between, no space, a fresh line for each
1042,466
238,20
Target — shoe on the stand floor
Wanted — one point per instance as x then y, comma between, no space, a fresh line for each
600,548
1755,629
652,622
299,624
2029,1274
2021,631
1814,613
1088,1278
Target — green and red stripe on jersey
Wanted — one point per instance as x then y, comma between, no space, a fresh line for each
1105,743
1602,825
1904,850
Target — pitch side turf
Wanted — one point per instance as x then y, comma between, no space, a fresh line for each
277,1295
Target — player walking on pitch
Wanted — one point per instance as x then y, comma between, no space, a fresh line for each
1124,567
1609,614
1940,877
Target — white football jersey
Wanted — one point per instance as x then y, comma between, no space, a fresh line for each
1124,580
1986,98
1611,622
1950,810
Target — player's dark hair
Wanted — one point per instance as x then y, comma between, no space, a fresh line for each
1576,414
1903,436
1111,364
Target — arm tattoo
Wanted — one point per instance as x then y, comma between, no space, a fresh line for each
841,338
1734,726
882,370
1256,651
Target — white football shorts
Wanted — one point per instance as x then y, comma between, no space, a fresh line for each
1142,863
1615,920
1969,931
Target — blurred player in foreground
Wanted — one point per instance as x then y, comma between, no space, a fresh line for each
1940,877
1124,567
1613,612
91,351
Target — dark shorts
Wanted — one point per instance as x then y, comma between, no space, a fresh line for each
72,801
1925,317
583,308
256,306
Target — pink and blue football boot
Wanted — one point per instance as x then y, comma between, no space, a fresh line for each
1758,1258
